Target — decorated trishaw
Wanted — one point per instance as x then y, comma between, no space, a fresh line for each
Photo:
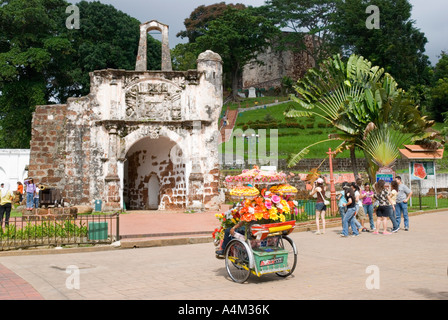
258,225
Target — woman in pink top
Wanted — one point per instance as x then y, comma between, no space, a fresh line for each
367,203
30,190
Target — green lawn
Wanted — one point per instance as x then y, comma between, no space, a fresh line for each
250,102
292,139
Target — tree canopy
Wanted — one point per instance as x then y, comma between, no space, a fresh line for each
439,89
398,46
44,62
197,23
238,36
307,24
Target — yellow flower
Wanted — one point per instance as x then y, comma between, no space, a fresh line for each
282,218
258,215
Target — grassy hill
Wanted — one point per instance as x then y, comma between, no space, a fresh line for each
293,133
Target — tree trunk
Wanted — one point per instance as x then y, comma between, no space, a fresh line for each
371,169
353,161
235,72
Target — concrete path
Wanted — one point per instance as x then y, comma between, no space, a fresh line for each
403,266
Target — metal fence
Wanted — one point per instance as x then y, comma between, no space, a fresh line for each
56,231
419,201
426,197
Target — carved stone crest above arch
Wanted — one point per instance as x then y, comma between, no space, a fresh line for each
153,99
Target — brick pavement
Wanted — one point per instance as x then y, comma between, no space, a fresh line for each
411,265
13,287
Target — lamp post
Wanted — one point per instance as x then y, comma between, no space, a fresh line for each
333,206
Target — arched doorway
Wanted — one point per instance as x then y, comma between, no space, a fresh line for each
153,192
154,178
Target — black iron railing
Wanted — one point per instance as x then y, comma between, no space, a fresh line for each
55,231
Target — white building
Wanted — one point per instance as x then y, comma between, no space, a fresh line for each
14,166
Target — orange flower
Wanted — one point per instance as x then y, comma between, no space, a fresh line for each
259,201
247,202
248,217
266,215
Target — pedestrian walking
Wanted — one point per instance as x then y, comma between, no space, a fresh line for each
5,204
401,207
358,200
350,213
319,190
36,198
393,198
30,190
20,191
384,208
367,203
342,200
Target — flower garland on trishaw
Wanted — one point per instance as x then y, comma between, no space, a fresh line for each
270,203
265,209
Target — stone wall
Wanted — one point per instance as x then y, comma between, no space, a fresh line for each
276,65
48,146
82,147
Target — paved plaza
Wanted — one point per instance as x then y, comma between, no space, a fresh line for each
402,266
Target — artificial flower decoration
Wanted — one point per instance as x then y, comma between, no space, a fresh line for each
275,198
261,206
268,204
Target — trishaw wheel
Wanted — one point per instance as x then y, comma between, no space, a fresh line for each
237,261
287,244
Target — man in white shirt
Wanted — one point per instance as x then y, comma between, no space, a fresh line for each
401,207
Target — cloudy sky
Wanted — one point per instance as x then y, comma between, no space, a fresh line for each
430,17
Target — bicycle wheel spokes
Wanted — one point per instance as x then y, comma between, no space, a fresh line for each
237,262
287,244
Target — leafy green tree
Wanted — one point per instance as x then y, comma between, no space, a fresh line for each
238,36
107,38
31,48
43,62
441,68
439,97
307,24
444,131
184,56
398,46
439,89
197,23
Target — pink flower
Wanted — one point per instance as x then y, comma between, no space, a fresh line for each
276,199
268,204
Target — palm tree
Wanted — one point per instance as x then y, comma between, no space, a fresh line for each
381,147
356,98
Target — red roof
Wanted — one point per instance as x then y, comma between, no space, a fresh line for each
417,152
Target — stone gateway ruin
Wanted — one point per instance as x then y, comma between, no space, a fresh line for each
141,139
